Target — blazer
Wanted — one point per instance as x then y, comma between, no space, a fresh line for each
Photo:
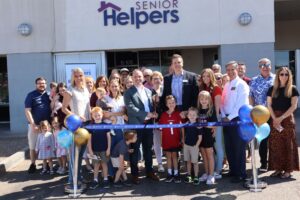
134,105
190,90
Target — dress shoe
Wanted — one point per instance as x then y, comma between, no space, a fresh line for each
153,176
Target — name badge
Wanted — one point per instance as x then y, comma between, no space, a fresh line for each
233,88
185,81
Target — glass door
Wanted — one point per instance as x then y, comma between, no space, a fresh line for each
4,101
286,59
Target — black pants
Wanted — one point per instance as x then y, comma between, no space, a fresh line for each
263,152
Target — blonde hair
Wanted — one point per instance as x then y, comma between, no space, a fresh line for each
44,123
213,81
129,134
157,73
100,89
96,110
193,109
289,85
170,97
89,78
119,94
207,95
77,70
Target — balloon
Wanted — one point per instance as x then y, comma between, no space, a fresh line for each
247,131
263,132
260,115
65,138
81,136
72,122
245,113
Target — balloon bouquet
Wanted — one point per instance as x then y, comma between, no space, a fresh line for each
254,125
68,138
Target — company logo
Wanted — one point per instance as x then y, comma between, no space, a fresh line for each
143,12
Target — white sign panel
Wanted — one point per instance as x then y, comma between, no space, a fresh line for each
88,68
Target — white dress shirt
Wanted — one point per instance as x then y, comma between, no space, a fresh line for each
144,98
235,95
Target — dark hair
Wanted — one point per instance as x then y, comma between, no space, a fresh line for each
40,79
53,84
129,134
174,56
60,85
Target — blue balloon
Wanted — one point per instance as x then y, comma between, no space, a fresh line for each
73,122
247,131
245,113
263,131
65,138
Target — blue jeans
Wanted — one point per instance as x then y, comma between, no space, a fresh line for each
115,139
235,149
144,137
219,147
71,165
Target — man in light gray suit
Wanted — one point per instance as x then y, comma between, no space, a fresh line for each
138,101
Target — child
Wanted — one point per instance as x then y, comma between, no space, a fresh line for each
53,87
191,139
118,154
61,153
207,114
102,101
99,145
171,139
45,146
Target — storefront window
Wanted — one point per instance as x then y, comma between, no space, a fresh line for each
286,59
4,101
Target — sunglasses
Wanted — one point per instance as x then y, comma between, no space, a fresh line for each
265,65
283,74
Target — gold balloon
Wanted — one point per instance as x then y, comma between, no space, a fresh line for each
81,136
260,115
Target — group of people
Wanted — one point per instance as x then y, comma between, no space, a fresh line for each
146,97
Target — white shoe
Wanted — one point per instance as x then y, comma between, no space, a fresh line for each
203,177
161,169
210,180
217,175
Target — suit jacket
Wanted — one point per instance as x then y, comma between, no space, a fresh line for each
190,90
134,105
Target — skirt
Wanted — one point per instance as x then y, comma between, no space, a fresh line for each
283,149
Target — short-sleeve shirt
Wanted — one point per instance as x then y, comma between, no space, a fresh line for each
99,139
191,135
117,106
215,91
259,87
203,118
120,149
40,106
170,136
282,103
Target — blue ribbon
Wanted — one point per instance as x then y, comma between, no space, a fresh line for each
157,126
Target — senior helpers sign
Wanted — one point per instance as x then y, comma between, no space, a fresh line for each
141,13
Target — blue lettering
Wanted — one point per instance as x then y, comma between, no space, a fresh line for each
132,15
107,17
174,14
141,18
155,17
166,12
123,18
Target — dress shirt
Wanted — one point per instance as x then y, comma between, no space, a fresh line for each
259,87
234,96
144,97
177,87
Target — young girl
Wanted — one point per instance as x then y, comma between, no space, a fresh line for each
61,153
171,139
45,146
207,114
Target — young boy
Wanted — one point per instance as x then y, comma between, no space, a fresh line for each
99,147
101,101
117,157
191,139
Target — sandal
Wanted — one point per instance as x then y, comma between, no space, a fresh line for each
285,175
276,173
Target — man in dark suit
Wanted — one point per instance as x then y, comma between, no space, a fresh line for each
182,85
139,105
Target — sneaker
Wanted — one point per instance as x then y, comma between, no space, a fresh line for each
169,178
188,179
263,169
161,168
106,184
217,175
43,172
32,169
127,183
210,180
177,178
70,189
51,172
196,181
118,184
203,177
61,172
93,185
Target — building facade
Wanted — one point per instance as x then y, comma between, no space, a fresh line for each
47,38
